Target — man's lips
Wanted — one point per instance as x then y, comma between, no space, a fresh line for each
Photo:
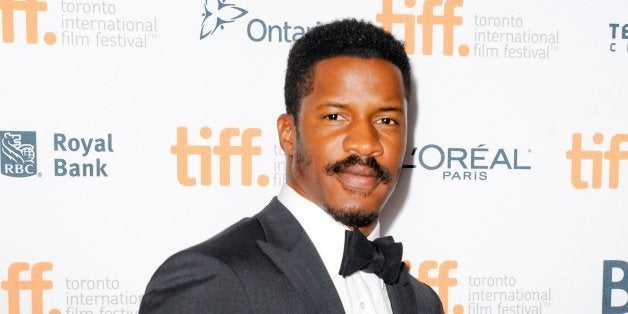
358,177
362,174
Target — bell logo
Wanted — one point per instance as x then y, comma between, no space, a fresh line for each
31,9
618,31
620,285
448,20
225,150
442,281
14,285
614,155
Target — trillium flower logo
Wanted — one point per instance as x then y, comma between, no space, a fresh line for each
217,13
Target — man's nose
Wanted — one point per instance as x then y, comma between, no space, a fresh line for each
363,139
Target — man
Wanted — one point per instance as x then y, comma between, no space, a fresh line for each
347,90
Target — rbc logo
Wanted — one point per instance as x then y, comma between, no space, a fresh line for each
609,285
18,157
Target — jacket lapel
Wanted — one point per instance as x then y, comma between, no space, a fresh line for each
401,295
289,247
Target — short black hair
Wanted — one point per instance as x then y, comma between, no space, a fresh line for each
348,37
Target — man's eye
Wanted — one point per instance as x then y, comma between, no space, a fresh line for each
387,121
332,117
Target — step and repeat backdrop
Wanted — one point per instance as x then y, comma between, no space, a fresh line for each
133,129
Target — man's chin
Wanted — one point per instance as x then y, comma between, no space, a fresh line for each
355,217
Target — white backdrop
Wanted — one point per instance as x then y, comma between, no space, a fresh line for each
510,229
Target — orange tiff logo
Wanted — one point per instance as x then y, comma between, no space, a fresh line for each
30,9
441,281
614,155
427,20
36,284
225,150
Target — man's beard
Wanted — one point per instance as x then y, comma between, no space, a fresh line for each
354,218
357,217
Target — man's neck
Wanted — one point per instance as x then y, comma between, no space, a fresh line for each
366,230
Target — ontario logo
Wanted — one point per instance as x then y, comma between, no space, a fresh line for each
217,14
19,153
31,8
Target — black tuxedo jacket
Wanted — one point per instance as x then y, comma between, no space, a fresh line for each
263,264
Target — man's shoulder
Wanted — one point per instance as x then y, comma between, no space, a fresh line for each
228,252
241,240
426,296
236,240
211,269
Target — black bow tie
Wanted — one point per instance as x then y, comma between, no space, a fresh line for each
381,257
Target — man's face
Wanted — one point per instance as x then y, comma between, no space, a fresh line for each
347,151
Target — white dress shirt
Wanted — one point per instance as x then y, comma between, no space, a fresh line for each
360,292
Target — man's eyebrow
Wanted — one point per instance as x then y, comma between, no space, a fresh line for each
390,108
332,105
341,106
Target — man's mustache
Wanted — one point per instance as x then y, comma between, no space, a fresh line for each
339,166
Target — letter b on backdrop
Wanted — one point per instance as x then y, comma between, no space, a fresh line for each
620,286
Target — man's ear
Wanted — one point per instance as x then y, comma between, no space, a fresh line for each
286,130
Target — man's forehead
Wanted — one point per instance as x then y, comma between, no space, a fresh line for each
366,76
348,58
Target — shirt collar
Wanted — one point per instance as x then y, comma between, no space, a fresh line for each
326,234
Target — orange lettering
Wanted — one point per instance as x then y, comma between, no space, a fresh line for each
36,285
31,9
